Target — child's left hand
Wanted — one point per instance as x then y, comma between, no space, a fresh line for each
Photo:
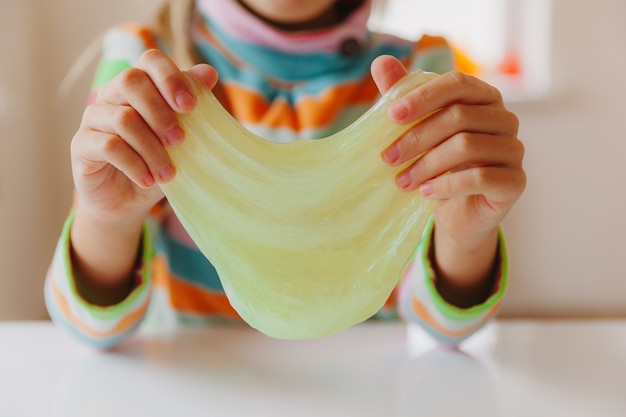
472,139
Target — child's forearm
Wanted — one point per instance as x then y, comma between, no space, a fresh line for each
465,272
104,257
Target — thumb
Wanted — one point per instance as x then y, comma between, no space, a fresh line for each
205,73
386,70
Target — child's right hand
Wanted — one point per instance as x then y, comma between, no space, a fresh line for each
118,154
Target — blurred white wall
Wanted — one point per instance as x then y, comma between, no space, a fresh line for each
39,40
565,236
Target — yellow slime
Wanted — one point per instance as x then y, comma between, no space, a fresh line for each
309,237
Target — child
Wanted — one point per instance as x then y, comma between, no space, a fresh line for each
277,60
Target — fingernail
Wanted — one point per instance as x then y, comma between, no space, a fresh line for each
426,189
184,100
148,181
174,136
166,173
399,110
403,180
391,155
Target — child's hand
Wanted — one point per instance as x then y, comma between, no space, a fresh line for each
118,153
473,139
473,167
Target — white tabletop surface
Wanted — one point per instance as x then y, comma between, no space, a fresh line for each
511,368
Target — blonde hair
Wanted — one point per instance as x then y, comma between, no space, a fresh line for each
171,23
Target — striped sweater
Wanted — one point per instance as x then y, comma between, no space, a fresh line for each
283,86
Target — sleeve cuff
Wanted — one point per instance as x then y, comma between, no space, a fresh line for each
421,302
98,324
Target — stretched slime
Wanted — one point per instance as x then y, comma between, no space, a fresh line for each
308,237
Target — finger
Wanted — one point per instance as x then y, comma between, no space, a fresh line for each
499,185
452,87
386,71
454,119
134,88
156,68
157,89
126,123
169,80
461,151
109,149
205,73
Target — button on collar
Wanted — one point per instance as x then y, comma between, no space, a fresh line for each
350,47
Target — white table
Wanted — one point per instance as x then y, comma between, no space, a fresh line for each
512,368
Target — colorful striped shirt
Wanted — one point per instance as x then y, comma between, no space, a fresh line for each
283,86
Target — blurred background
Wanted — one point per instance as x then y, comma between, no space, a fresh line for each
559,63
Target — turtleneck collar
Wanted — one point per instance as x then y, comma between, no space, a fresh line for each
242,25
